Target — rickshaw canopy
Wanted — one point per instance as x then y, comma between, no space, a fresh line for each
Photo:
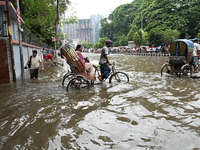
181,47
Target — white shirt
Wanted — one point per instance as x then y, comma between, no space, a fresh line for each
35,62
196,47
104,52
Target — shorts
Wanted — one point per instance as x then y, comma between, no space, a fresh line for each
105,69
195,61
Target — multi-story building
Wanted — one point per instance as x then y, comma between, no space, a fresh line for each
84,29
95,20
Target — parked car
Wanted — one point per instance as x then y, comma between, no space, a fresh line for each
150,50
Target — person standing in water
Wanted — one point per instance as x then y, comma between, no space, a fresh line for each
34,63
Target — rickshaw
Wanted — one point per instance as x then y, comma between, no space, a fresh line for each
180,60
77,78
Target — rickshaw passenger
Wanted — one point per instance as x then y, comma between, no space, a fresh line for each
88,66
195,58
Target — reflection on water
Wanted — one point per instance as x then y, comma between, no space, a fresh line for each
149,112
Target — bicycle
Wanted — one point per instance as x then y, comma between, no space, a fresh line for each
76,81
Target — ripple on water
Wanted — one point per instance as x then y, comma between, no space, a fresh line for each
149,112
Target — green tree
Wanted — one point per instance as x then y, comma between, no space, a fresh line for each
40,17
140,37
156,36
123,40
190,10
102,42
106,29
145,38
133,29
97,45
171,35
198,35
86,44
169,14
118,22
137,38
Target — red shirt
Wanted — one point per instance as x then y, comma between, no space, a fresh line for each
48,56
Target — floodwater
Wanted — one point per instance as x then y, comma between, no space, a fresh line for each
149,112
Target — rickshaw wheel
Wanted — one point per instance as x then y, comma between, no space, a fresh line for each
78,83
187,71
166,69
66,78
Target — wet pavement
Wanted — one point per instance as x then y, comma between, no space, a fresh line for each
149,112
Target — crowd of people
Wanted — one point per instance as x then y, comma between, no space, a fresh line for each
35,63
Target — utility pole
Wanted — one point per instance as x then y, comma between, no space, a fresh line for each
10,40
142,17
141,21
20,40
57,24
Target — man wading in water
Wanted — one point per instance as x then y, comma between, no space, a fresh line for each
34,63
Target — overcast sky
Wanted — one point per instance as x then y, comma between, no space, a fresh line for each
86,8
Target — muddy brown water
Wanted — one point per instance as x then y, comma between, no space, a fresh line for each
149,112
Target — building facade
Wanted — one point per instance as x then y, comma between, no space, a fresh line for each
10,59
84,29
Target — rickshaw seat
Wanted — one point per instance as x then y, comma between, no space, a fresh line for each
73,60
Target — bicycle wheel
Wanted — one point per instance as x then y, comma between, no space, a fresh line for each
166,69
66,78
187,71
119,77
78,83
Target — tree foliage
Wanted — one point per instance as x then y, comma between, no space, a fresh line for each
118,23
140,37
156,36
41,16
123,40
97,45
171,35
100,43
198,35
86,44
181,18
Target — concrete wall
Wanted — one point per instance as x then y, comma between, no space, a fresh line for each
6,75
27,52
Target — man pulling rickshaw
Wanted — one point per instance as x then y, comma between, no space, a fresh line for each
79,77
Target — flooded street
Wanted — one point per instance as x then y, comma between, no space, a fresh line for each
149,112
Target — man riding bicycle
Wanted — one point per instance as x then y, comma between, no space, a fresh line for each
104,62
